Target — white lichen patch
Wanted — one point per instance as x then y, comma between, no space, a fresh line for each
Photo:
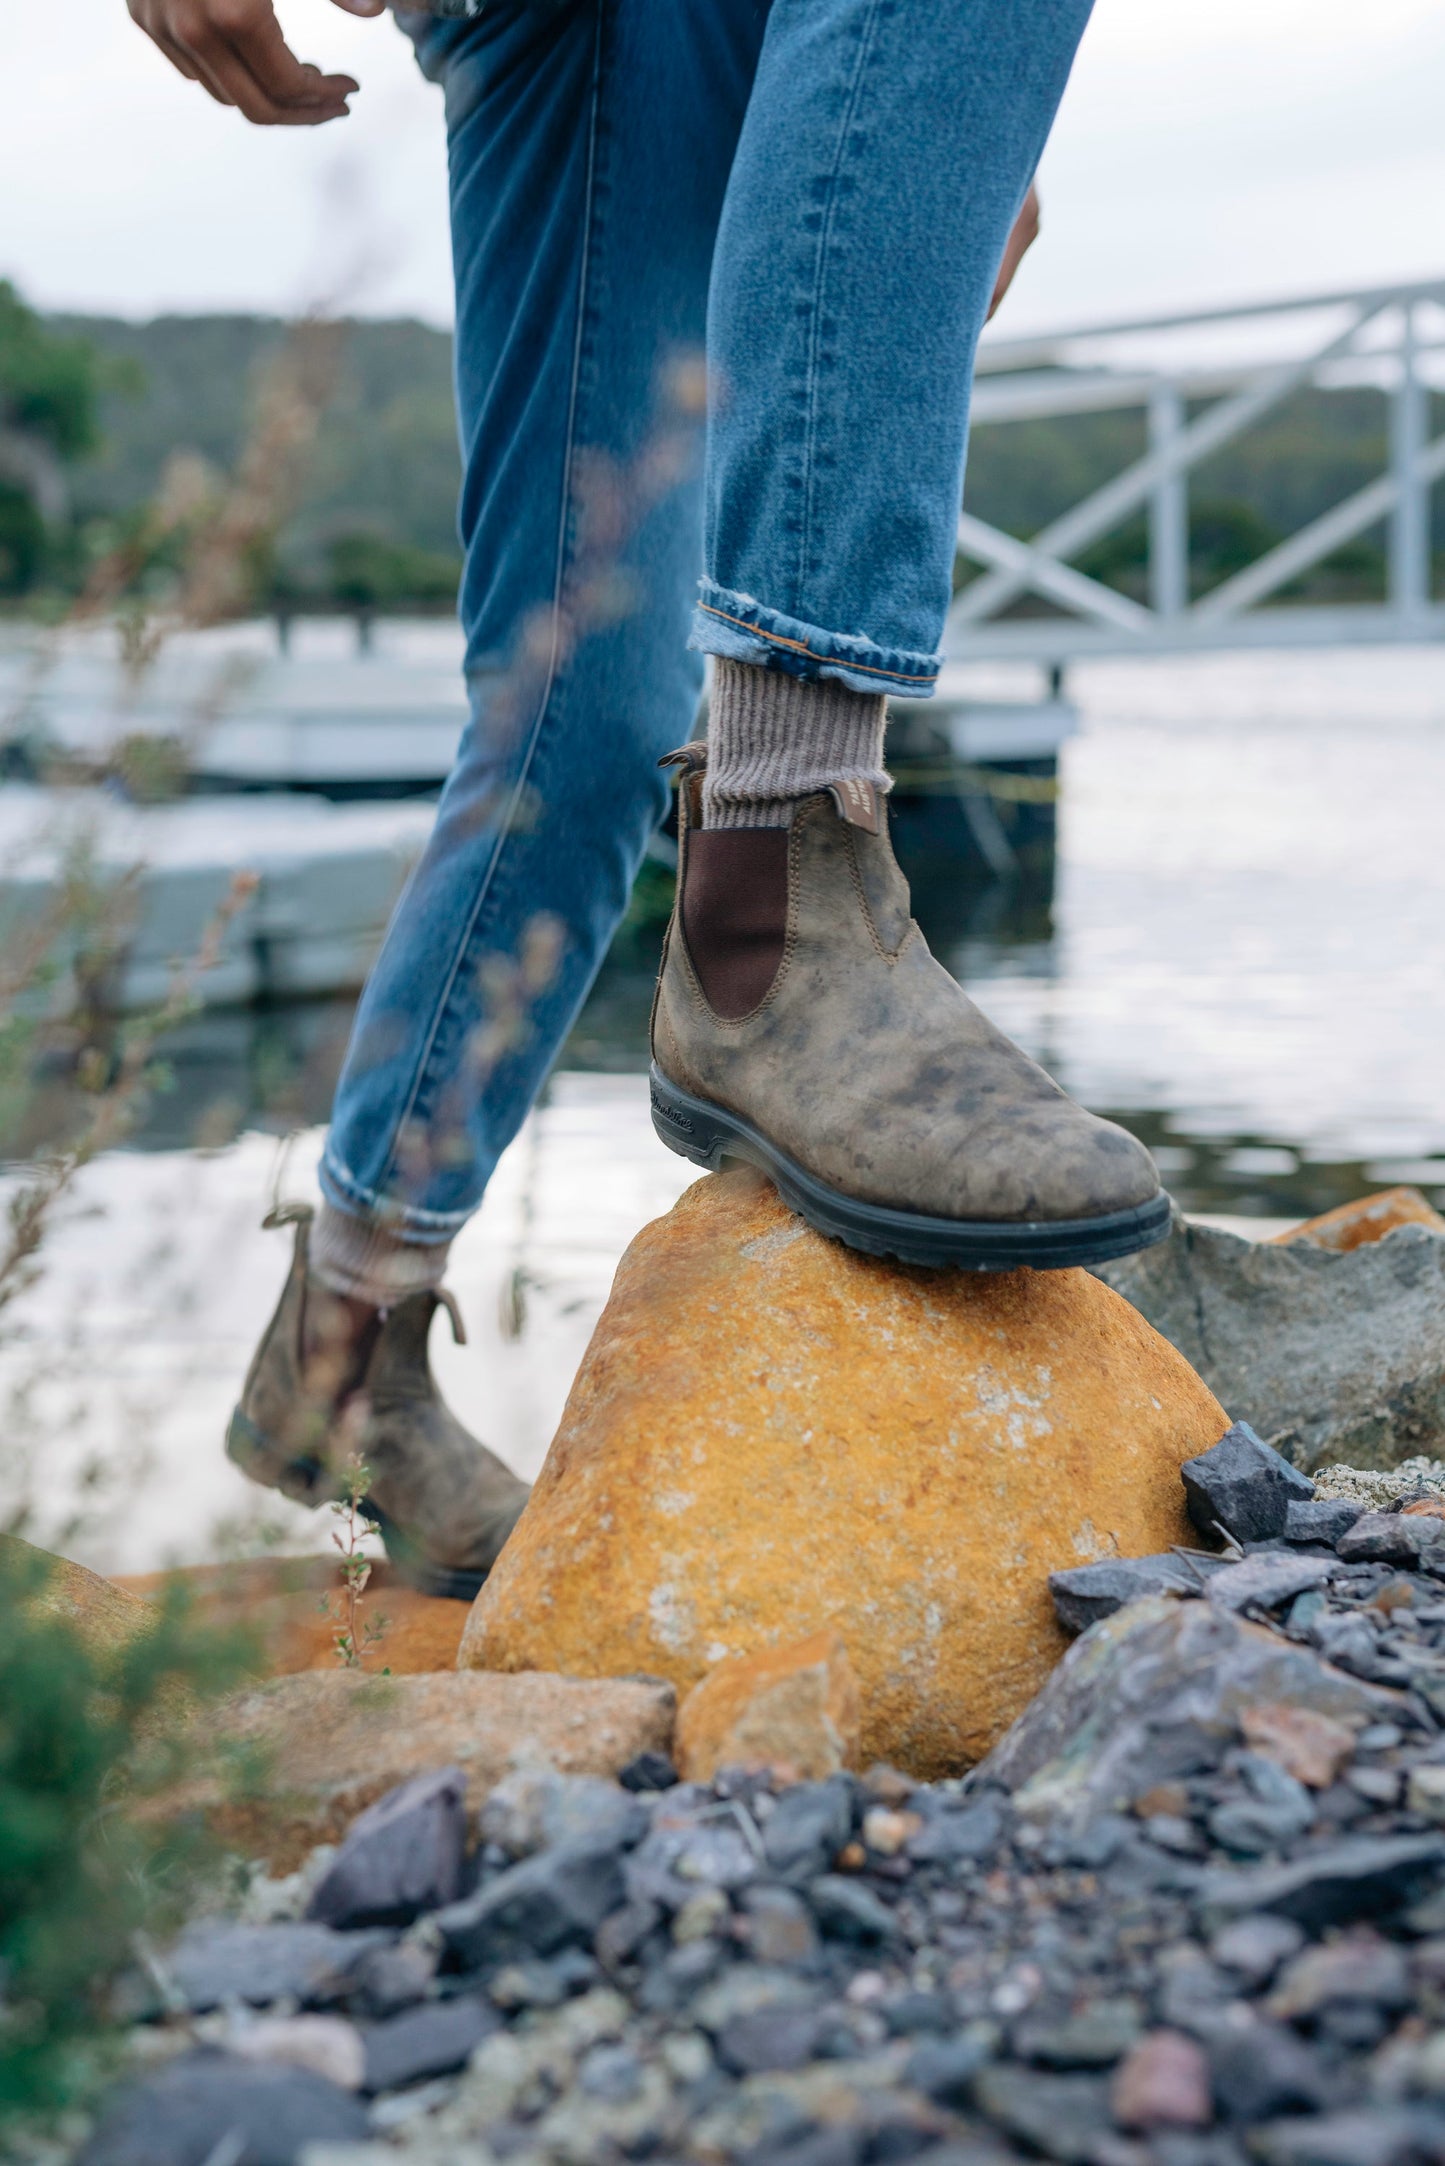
769,1245
674,1617
1020,1411
1089,1545
1363,1485
674,1502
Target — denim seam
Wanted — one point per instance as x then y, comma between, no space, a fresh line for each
865,45
814,654
375,1201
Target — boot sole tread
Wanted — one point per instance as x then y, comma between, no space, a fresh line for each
708,1134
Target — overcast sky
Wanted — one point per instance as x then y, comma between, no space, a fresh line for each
1204,154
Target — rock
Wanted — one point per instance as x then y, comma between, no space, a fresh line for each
649,1771
1085,1593
402,1856
328,2045
688,1850
334,1741
391,1979
207,2106
1061,2116
956,1828
793,1710
218,1961
556,1900
1357,1967
1396,1538
1275,1811
1379,2136
428,2041
1259,2068
779,1927
1375,1491
1425,1793
1094,1737
1095,2036
1334,1355
768,2038
534,1807
1263,1582
845,1910
944,2068
863,1442
1243,1487
1320,1519
1362,1877
103,1616
1368,1218
808,1827
1256,1946
1162,2082
1310,1746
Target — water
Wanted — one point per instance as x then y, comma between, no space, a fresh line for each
1239,955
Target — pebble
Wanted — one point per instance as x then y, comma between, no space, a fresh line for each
1162,2082
403,1855
1241,1486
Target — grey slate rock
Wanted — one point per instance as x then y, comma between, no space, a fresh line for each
1087,1592
1102,1729
205,2106
1255,1946
1361,1877
1320,1519
1264,1581
1094,2036
849,1912
1275,1810
216,1961
944,2069
955,1830
428,2041
1061,2116
687,1852
1378,2136
403,1855
390,1979
768,2040
808,1827
555,1900
1396,1538
1340,1352
1239,1484
1258,2069
648,1771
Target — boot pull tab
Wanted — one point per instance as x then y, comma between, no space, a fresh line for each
449,1303
287,1214
692,756
858,803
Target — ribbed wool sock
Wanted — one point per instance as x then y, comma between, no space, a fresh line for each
370,1262
774,739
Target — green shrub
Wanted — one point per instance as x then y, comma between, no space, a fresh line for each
86,1732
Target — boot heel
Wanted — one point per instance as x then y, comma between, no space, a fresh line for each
686,1126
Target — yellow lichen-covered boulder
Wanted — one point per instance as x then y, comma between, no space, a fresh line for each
771,1435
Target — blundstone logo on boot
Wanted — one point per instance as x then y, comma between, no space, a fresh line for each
857,801
671,1114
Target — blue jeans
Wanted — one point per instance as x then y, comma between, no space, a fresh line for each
815,196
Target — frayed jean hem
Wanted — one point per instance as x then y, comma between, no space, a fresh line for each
736,626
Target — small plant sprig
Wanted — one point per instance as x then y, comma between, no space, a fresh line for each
353,1638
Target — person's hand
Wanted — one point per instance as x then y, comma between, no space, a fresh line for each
235,50
1020,241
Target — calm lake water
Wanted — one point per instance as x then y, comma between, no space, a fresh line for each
1239,955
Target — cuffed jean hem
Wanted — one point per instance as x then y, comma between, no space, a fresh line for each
408,1223
740,628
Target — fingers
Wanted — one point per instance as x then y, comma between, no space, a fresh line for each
235,50
361,7
1020,241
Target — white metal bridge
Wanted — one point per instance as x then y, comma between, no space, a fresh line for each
1204,381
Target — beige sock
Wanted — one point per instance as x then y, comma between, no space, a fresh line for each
773,739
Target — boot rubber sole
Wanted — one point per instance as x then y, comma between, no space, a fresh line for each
250,1448
708,1134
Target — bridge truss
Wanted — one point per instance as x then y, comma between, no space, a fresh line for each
1205,380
